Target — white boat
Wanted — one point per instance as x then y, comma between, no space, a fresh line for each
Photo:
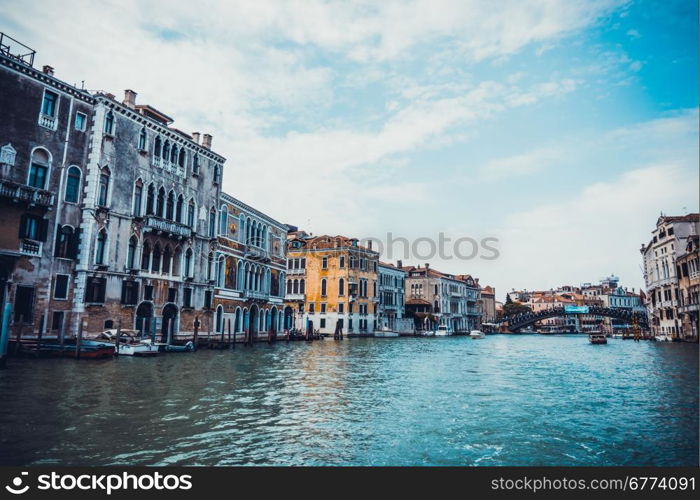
442,331
617,335
427,333
129,345
663,338
477,334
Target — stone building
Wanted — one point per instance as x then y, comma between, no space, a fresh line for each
688,272
44,135
487,304
149,216
331,283
435,298
660,256
248,268
392,290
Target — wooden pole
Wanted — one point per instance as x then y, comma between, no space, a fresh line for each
196,331
119,336
5,333
79,340
229,333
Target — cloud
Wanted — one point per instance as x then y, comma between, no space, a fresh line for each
522,164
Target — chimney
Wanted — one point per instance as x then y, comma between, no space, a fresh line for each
195,137
47,69
129,99
206,141
427,265
399,263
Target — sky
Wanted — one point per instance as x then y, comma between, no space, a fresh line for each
560,128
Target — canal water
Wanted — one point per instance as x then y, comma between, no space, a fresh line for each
503,400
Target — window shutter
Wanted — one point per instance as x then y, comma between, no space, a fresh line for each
43,229
124,287
74,244
57,244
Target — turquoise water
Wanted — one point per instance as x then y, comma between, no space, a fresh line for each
503,400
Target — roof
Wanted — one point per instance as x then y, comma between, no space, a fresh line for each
692,217
333,242
417,302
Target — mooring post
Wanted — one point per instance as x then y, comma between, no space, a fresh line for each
229,333
5,333
80,339
119,337
196,331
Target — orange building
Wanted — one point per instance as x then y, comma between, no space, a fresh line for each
331,284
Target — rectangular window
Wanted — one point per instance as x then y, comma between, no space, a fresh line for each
341,308
80,121
148,292
48,105
37,176
33,227
324,263
323,322
341,264
95,290
60,289
323,308
172,294
303,263
312,308
24,304
187,297
207,299
130,293
57,321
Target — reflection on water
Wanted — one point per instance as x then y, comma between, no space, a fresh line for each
504,400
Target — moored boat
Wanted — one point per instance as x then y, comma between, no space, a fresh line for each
442,331
477,334
597,338
128,344
188,347
663,337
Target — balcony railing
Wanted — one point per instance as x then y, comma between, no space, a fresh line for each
170,228
30,247
296,271
257,295
47,121
295,296
28,194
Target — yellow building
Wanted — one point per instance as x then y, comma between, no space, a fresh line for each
331,284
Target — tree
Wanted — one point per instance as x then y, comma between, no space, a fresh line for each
512,308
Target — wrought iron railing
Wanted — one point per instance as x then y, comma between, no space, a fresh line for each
28,194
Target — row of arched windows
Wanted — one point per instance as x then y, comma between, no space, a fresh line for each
168,205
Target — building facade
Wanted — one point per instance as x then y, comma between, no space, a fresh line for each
487,304
660,257
688,272
435,298
248,270
44,136
331,285
392,290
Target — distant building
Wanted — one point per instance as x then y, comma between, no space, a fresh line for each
331,284
688,286
487,301
660,256
390,308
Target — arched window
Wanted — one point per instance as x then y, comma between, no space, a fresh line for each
101,247
131,253
188,263
289,286
195,164
109,123
39,168
138,198
177,260
157,147
210,265
166,150
142,139
167,258
103,187
73,185
178,209
217,174
323,287
223,221
160,203
220,269
212,223
302,286
146,257
341,286
295,287
65,243
190,213
181,158
150,199
173,155
155,260
170,206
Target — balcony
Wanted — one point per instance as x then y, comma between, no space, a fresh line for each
256,295
296,271
30,247
47,121
31,195
295,296
256,253
167,228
